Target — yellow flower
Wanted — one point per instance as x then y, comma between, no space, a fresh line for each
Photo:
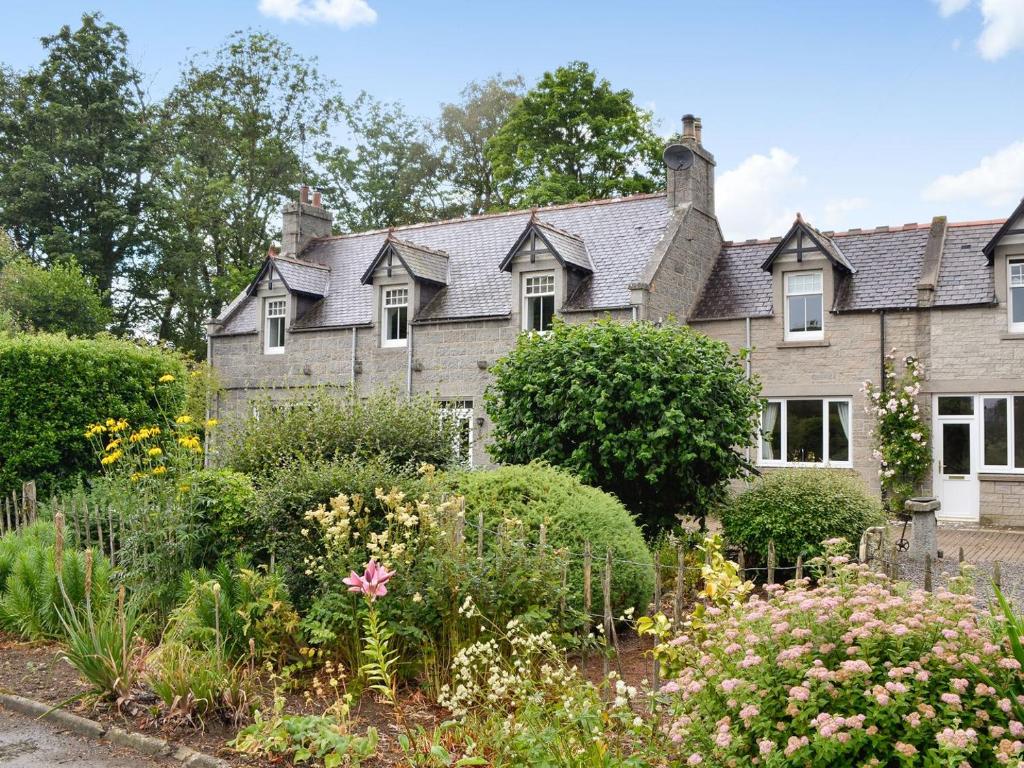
95,429
161,470
196,374
191,442
184,487
136,476
111,458
154,451
211,423
113,444
111,422
166,378
183,419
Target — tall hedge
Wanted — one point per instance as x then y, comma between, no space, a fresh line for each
52,386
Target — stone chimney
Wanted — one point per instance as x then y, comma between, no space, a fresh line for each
691,170
302,221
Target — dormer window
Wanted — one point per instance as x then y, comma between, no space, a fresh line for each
1015,294
395,317
538,301
276,313
804,307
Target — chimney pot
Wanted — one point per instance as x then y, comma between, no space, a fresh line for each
316,199
688,127
304,193
696,129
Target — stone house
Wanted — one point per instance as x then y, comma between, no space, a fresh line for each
427,308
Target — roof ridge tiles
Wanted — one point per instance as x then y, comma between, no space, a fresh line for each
299,262
541,223
417,246
495,215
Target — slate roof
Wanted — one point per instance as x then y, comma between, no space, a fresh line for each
571,248
823,241
422,263
620,236
302,277
888,263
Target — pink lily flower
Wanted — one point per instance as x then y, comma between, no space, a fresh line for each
372,582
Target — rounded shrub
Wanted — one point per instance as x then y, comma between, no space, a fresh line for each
222,502
574,514
798,509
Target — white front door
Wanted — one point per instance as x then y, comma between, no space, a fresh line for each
956,457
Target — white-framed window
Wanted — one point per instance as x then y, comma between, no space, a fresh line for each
394,317
805,319
798,431
538,301
1002,433
461,413
273,334
1015,294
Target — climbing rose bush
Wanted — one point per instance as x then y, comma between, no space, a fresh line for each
858,671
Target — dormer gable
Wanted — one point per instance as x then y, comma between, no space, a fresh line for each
1011,233
422,264
803,241
302,278
539,238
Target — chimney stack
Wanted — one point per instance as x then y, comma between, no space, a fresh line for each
691,170
303,221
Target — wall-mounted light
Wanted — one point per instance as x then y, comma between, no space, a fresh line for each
479,421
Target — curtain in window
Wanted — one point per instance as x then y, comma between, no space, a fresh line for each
769,418
843,409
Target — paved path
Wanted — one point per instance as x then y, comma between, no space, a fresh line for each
982,545
29,743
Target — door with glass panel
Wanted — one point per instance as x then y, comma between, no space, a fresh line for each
956,456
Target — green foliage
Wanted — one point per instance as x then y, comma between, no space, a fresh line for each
393,174
466,127
572,137
656,415
61,298
54,387
195,683
300,738
239,610
798,509
574,514
330,426
222,503
900,433
74,143
102,644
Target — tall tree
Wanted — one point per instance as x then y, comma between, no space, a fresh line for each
392,173
466,127
232,138
74,146
572,137
60,298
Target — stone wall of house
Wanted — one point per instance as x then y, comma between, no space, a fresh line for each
450,361
1002,500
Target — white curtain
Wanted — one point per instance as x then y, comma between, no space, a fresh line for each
769,418
844,418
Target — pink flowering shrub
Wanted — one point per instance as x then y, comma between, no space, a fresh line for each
856,671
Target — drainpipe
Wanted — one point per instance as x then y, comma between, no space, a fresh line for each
353,360
408,370
749,351
881,353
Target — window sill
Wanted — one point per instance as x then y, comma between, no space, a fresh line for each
803,344
385,345
1012,336
806,465
274,351
1001,477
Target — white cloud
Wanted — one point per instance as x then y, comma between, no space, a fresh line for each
949,7
342,13
998,179
836,213
753,199
1004,28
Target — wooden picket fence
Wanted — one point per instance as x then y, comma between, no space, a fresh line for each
18,512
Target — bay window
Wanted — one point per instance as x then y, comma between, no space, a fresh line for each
805,431
804,310
1015,294
538,301
1003,433
273,334
394,317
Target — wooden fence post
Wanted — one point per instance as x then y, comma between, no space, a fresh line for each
543,540
657,609
480,535
459,532
565,581
771,561
110,532
99,527
677,600
960,555
7,517
587,593
997,575
606,590
927,572
799,567
28,500
742,564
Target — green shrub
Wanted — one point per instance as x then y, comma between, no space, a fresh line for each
53,387
799,509
574,514
655,414
286,494
195,683
329,426
222,503
58,298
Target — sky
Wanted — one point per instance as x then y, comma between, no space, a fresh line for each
857,114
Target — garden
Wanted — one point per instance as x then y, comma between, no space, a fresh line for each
327,585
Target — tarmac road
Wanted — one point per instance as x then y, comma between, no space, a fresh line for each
29,743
